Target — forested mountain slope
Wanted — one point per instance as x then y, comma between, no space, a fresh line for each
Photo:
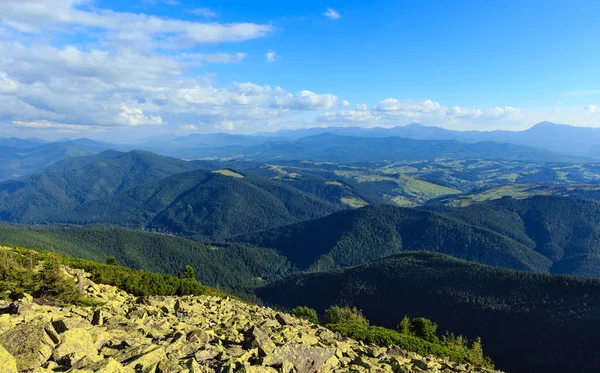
202,203
232,267
64,186
565,230
531,323
354,237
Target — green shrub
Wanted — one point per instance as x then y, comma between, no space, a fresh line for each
423,328
344,315
306,314
386,337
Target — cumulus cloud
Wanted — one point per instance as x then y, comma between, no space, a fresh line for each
361,107
270,57
345,103
305,100
134,116
190,127
587,108
332,13
6,84
407,106
459,112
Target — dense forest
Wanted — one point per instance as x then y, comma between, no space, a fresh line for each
529,322
564,230
543,234
232,267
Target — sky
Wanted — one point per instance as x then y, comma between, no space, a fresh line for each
125,70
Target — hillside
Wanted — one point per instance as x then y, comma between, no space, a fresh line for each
22,160
232,267
65,186
531,323
205,204
565,230
354,237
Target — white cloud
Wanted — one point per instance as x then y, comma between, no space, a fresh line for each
361,107
204,12
270,57
48,125
349,116
345,103
225,125
305,100
500,112
190,127
7,85
459,112
214,57
407,106
35,16
588,108
332,13
134,116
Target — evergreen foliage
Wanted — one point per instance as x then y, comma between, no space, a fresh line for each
232,267
306,314
530,322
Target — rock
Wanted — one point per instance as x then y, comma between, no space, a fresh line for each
105,366
147,360
9,364
285,319
203,355
306,359
396,351
30,343
69,323
256,338
97,318
74,345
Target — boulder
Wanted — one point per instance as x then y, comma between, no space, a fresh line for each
257,338
306,359
75,344
9,364
285,319
30,343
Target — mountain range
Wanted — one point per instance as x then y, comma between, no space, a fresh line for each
561,138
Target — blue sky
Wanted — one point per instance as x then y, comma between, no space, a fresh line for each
105,68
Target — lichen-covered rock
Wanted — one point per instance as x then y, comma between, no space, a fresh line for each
304,358
30,343
8,362
75,344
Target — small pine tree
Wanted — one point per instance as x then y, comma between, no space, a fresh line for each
189,273
424,329
477,352
404,326
306,313
345,315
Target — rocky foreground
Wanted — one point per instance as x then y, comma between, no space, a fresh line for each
184,334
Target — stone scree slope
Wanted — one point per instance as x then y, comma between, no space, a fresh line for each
185,334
